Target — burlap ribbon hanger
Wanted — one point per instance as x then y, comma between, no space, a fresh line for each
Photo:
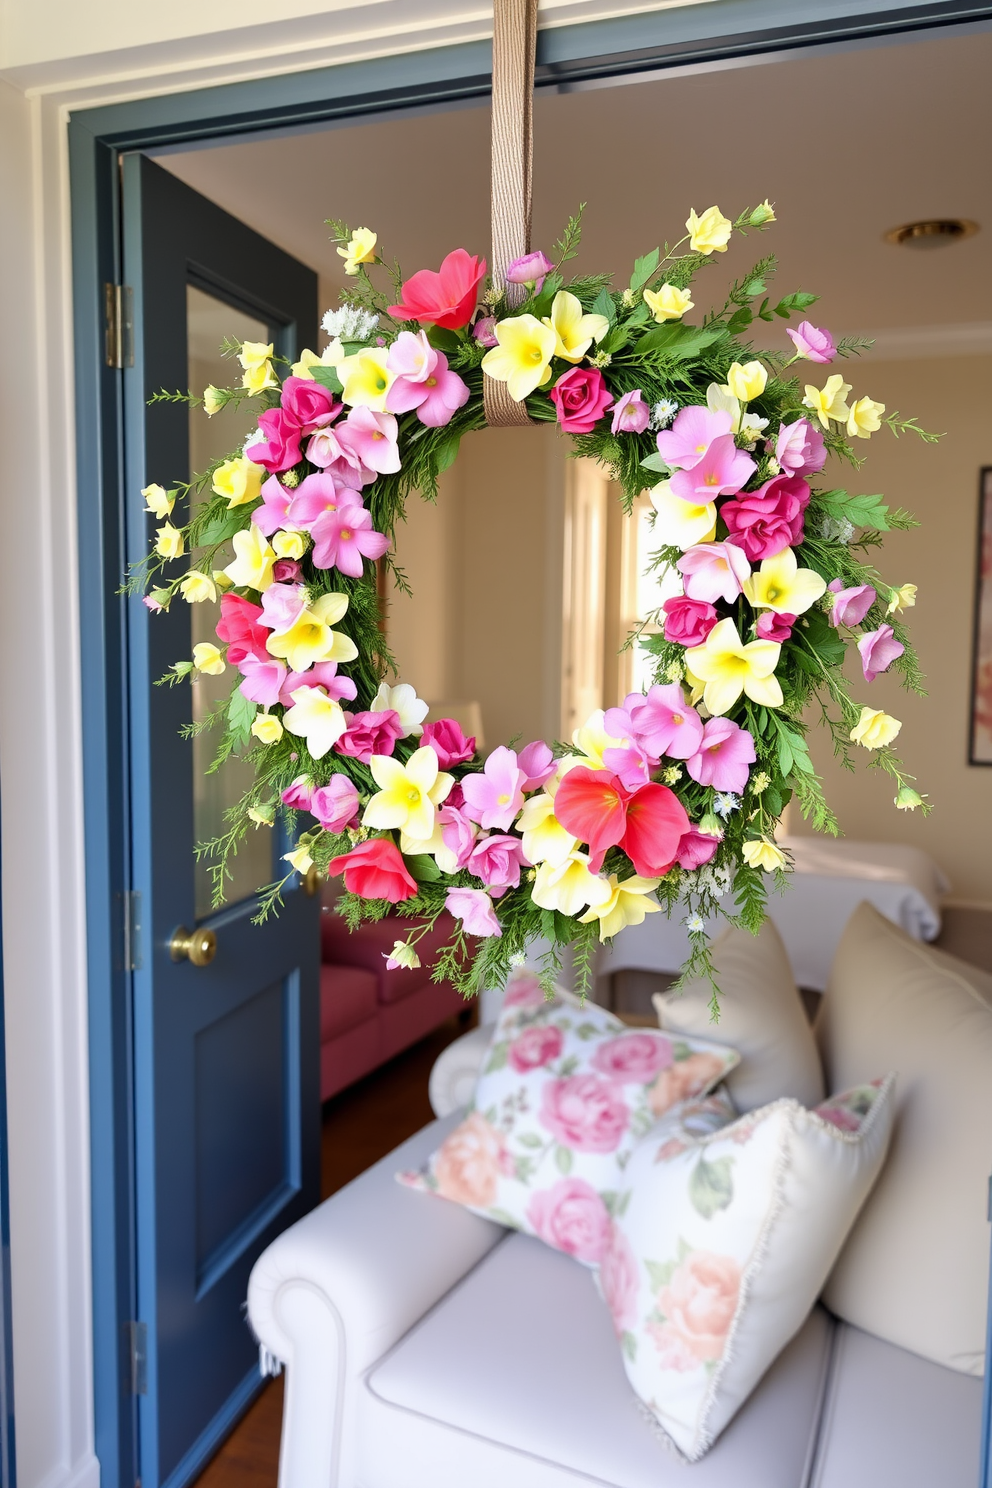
514,44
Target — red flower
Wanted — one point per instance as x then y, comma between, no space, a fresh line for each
656,824
581,398
375,870
239,628
446,298
648,824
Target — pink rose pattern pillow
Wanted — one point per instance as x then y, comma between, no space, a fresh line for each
565,1094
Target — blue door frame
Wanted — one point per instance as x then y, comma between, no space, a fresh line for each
569,58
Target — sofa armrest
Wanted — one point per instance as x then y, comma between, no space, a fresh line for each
335,1291
455,1072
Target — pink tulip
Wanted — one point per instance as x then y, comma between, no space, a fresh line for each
712,571
475,910
299,793
239,627
850,606
286,571
448,742
631,414
694,430
772,627
531,269
696,848
494,797
484,331
879,649
721,471
343,538
799,448
335,805
813,344
688,621
724,755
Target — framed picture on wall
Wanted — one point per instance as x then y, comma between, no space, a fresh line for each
980,748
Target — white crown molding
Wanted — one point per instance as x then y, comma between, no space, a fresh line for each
911,343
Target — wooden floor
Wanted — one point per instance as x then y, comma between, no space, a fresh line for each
360,1126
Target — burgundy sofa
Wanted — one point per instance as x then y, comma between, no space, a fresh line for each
368,1014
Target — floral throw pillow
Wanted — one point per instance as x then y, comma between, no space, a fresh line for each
722,1242
566,1092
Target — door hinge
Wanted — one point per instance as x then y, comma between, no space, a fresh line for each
138,1346
132,930
118,318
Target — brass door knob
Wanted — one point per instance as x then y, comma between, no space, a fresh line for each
196,946
312,880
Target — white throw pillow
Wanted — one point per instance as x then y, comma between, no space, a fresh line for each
761,1016
720,1246
915,1270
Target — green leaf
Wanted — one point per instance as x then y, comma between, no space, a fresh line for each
825,640
800,300
503,1217
628,1342
754,288
240,715
678,341
711,1186
660,1275
739,321
422,867
644,268
497,1058
616,340
530,1139
326,376
442,339
220,527
447,453
603,305
863,511
655,462
785,752
563,1159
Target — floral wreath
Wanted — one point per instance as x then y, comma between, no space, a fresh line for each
666,802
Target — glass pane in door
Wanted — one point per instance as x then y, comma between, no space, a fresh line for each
209,323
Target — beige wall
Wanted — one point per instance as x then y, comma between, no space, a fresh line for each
939,484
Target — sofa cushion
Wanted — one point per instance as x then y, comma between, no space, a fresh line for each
914,1270
370,944
515,1378
348,996
761,1016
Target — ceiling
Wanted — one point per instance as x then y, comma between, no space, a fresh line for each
845,145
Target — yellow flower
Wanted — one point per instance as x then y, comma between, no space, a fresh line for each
329,357
763,214
310,638
828,402
627,905
208,658
864,418
763,854
289,544
545,840
748,382
239,480
668,303
681,524
710,232
267,728
722,399
874,729
781,585
360,249
252,566
158,501
299,860
315,717
574,331
569,886
403,954
169,541
196,587
407,794
258,373
591,738
523,357
365,379
221,579
901,599
214,399
727,667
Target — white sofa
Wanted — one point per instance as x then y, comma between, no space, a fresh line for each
426,1347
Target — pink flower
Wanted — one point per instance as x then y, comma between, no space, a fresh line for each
278,446
448,742
315,497
523,990
338,459
633,1057
342,539
672,1352
497,860
155,605
766,521
799,448
813,344
694,430
724,755
370,733
664,723
468,1164
446,393
324,675
619,1281
494,797
700,1301
696,848
581,397
629,763
772,627
538,764
721,471
282,605
631,414
274,511
371,437
458,832
299,793
475,910
263,680
446,298
572,1217
335,805
238,626
530,269
484,330
423,381
309,403
535,1047
879,649
713,571
688,621
850,606
286,571
375,870
584,1112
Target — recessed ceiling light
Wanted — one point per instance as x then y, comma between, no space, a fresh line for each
936,232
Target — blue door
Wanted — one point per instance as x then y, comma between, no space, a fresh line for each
226,1092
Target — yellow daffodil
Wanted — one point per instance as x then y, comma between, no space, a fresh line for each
681,524
668,302
628,904
746,382
574,330
255,358
239,480
569,886
901,599
763,854
407,794
365,378
709,233
289,544
169,541
864,418
196,587
252,565
762,214
159,501
874,729
329,357
545,840
523,357
208,658
315,717
267,728
214,399
828,402
721,399
781,585
695,685
299,860
310,638
727,667
359,249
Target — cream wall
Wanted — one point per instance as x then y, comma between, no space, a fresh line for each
939,484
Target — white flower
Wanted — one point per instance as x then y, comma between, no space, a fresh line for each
350,323
726,802
316,718
716,880
751,427
695,924
402,699
836,529
662,414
